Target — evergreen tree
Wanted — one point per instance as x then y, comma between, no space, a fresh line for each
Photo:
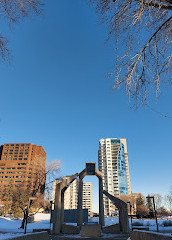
141,208
140,201
149,205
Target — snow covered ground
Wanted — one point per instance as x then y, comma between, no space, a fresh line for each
42,220
149,223
11,227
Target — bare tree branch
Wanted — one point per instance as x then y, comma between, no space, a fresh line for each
157,5
14,11
143,39
139,55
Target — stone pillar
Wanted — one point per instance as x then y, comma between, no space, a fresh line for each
101,206
123,212
62,208
57,211
79,213
123,219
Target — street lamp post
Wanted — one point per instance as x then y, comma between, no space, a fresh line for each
52,207
152,197
26,212
26,218
51,203
130,212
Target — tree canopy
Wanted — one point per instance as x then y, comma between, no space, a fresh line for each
142,31
13,11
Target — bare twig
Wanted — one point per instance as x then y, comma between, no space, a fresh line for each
143,29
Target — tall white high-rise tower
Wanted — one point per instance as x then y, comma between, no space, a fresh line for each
113,163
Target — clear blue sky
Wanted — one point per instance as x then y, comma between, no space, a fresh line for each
55,93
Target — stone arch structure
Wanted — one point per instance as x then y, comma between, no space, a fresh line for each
90,170
61,187
123,212
65,182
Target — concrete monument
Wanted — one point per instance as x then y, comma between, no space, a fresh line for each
87,230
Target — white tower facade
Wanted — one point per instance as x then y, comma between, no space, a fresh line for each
87,196
113,163
71,195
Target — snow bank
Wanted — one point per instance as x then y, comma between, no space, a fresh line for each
9,227
42,217
13,225
10,235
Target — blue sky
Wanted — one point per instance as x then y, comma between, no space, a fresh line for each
55,93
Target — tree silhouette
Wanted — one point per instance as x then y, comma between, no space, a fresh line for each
142,31
13,11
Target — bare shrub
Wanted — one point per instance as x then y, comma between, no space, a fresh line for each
137,224
167,223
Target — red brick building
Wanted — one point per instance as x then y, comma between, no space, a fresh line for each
21,163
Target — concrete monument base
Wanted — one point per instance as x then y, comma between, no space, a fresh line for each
143,235
91,230
112,229
78,237
70,229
